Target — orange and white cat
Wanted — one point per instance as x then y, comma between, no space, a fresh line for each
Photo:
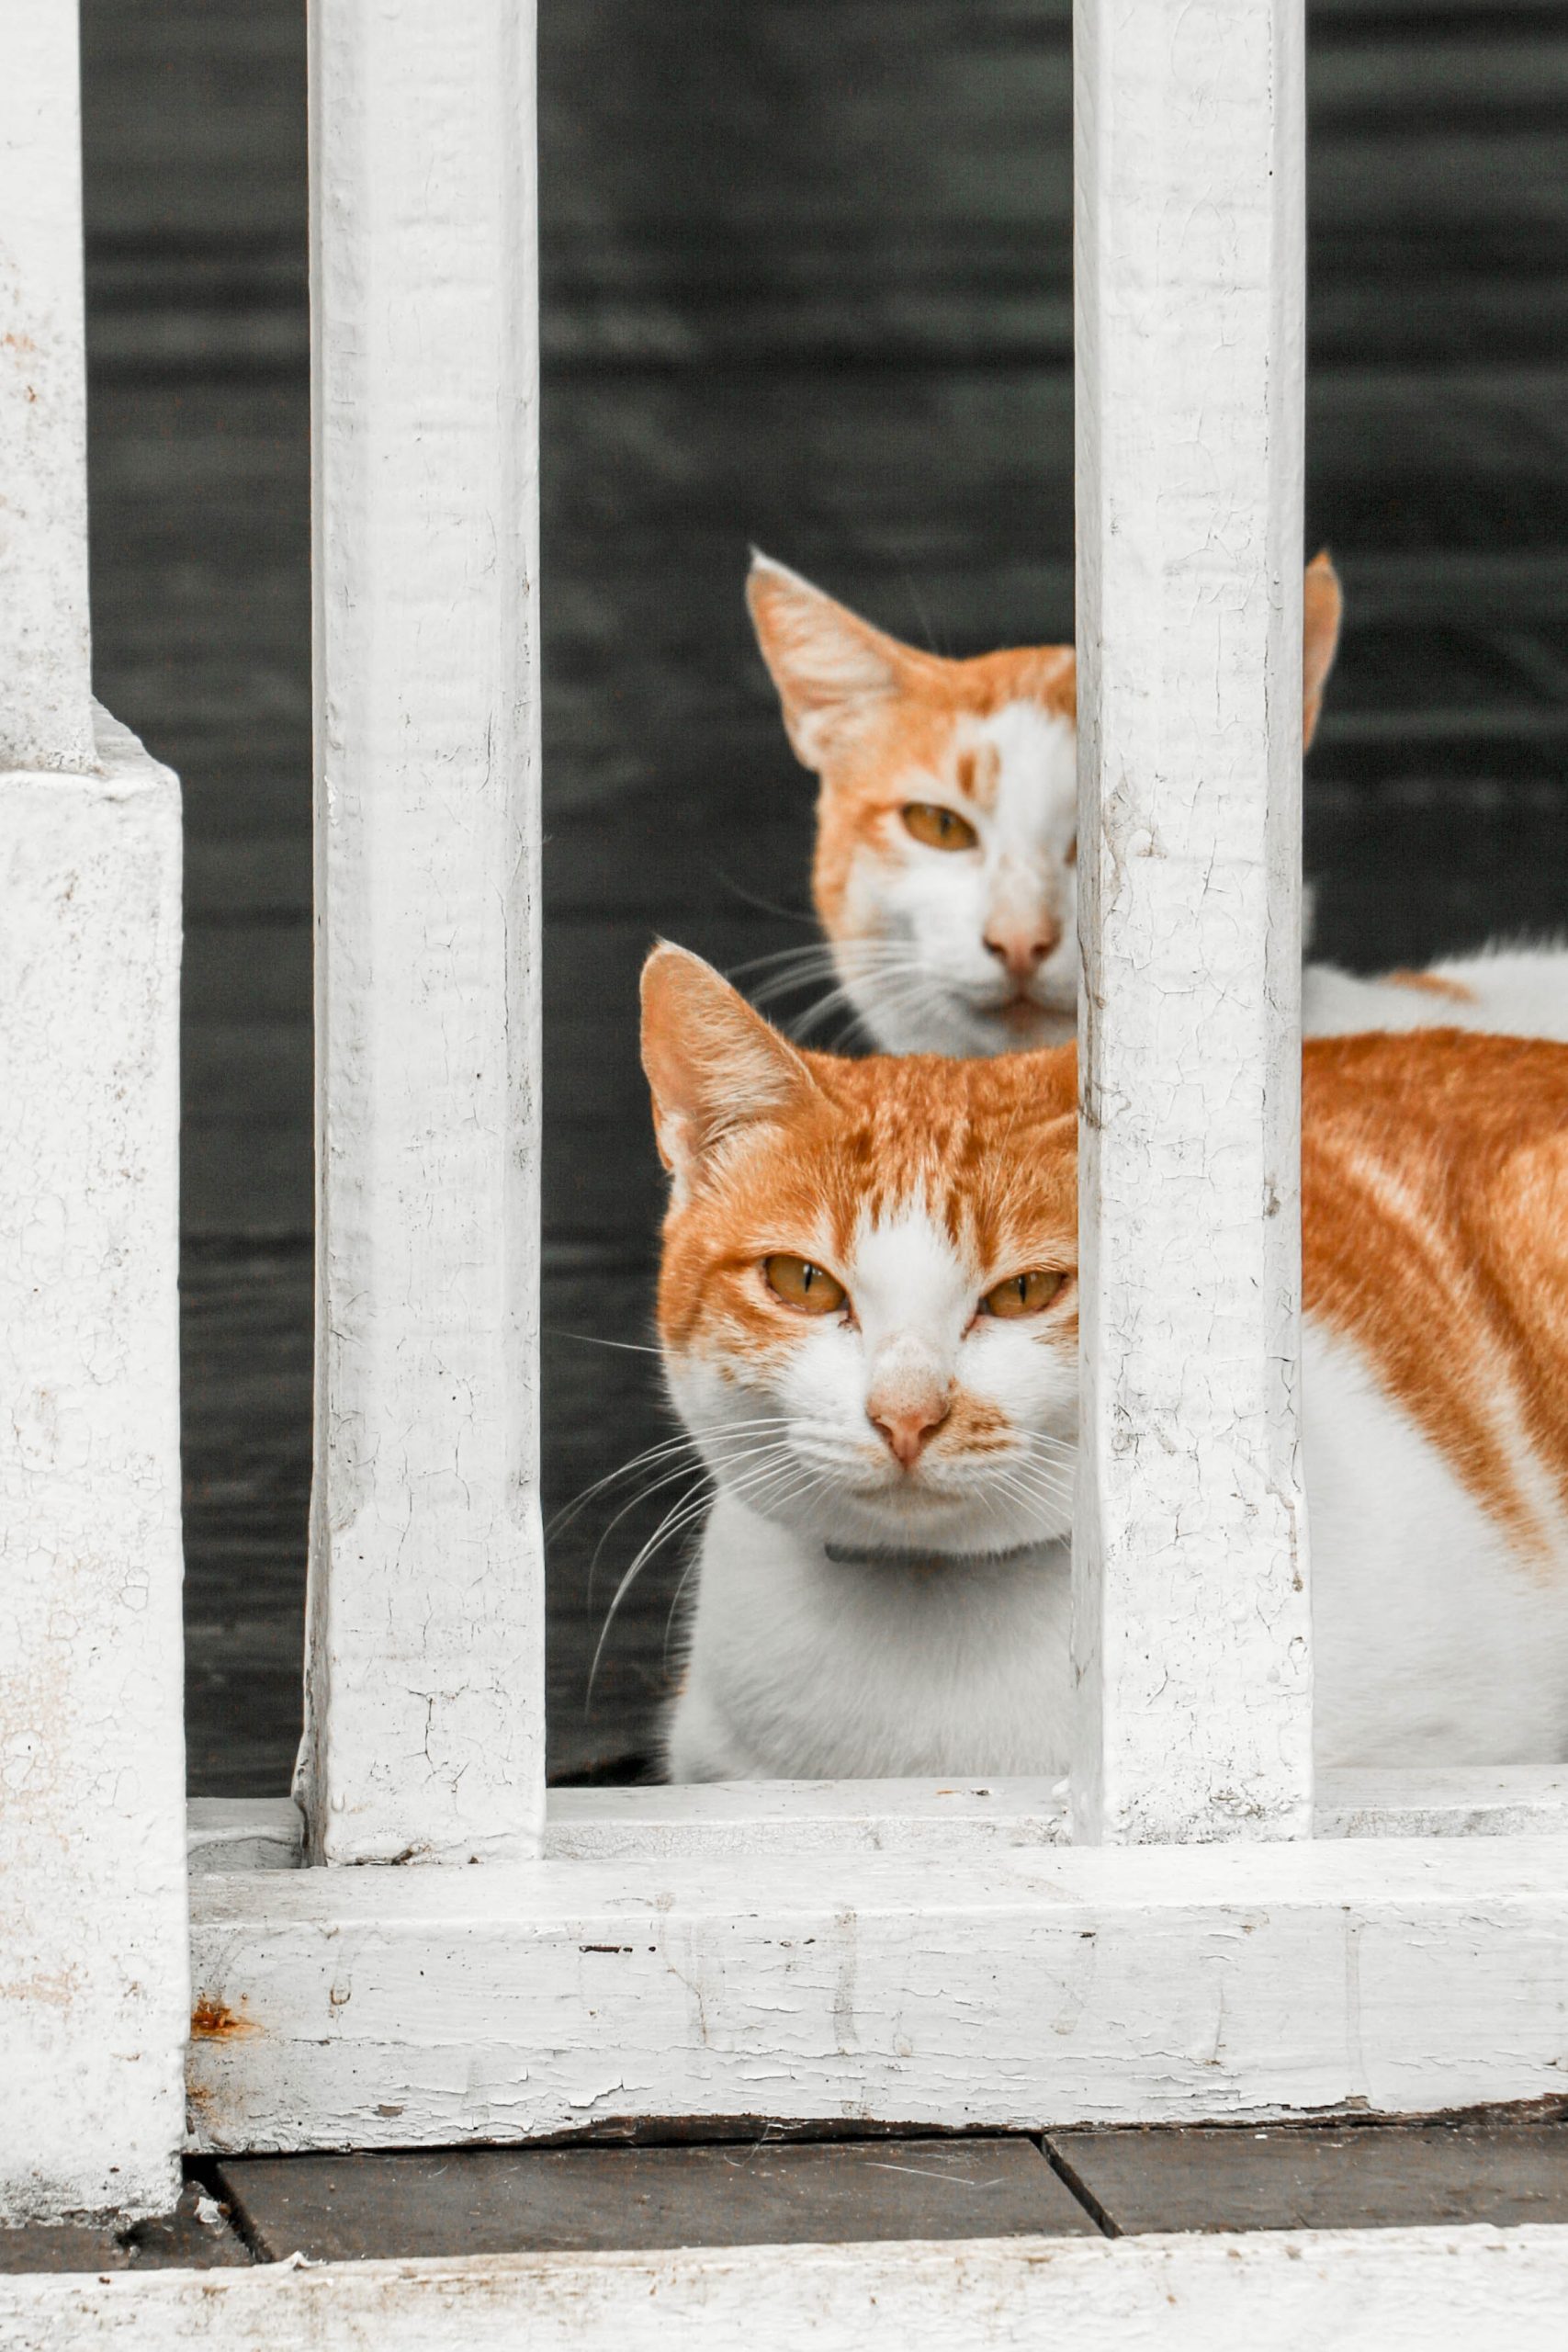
868,1314
947,840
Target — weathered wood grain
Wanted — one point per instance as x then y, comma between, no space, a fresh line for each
701,1821
1396,2290
1379,2292
1191,1613
425,1732
1015,1989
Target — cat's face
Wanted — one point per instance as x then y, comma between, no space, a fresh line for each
868,1296
945,873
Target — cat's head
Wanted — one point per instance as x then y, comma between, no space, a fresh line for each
868,1299
947,822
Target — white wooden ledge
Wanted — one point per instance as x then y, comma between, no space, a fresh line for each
1014,1987
1373,2290
908,1816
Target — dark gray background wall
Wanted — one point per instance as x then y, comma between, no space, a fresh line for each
807,273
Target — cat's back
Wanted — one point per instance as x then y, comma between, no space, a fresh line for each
1434,1243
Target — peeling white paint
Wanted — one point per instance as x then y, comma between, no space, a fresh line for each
425,1687
46,719
92,1933
1190,1600
1009,1986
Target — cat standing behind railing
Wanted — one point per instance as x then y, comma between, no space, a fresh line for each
868,1313
944,874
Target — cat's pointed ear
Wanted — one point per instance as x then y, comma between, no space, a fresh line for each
1322,604
713,1065
832,668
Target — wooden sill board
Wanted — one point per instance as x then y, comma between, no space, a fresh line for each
1391,2290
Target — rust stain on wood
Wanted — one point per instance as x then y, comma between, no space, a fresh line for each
215,2022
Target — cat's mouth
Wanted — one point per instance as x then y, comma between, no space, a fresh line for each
1028,1019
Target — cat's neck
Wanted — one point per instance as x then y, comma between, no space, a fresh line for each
885,1661
924,1557
884,1555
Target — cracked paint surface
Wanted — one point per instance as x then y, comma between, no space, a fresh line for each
1190,1599
94,1963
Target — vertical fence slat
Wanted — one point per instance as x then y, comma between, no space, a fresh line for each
424,1736
1191,1603
46,719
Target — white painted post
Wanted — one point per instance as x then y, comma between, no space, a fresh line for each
94,1941
424,1730
46,719
1190,1601
95,1965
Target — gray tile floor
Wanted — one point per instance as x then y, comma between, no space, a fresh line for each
751,2190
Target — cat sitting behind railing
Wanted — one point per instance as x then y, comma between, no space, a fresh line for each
944,874
868,1312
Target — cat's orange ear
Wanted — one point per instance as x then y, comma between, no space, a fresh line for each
713,1065
832,668
1322,604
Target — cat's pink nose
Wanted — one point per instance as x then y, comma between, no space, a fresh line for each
1021,946
907,1427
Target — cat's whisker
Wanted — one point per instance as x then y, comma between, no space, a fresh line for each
816,955
590,1340
1042,1480
766,906
700,1485
836,1000
680,1515
757,1491
689,1442
706,1472
688,1508
705,1476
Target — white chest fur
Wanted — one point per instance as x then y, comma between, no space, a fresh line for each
1433,1642
802,1667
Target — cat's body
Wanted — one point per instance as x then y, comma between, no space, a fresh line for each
945,873
1431,1645
1511,991
883,1587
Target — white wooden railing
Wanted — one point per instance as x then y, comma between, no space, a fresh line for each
1183,1946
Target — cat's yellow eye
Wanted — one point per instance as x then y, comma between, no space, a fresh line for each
800,1284
1023,1294
938,827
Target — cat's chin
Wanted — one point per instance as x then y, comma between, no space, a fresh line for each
960,1027
919,1519
1021,1025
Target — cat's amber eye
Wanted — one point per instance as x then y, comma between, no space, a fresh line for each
1023,1294
938,827
800,1284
